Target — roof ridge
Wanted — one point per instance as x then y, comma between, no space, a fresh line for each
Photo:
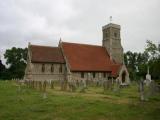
82,44
45,46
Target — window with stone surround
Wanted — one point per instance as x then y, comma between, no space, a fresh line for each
94,74
82,74
107,34
60,68
104,75
43,67
115,34
52,68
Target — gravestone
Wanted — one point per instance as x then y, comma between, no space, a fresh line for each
141,89
117,85
52,84
148,78
40,85
107,84
146,90
44,89
83,85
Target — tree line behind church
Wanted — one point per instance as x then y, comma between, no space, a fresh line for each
137,63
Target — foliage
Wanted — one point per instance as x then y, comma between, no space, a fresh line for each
153,50
154,58
16,59
2,69
137,63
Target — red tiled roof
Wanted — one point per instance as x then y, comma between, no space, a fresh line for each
115,69
82,57
46,54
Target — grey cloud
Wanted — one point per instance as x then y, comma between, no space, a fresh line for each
45,21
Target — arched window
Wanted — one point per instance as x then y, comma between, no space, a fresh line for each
123,76
104,75
82,74
107,34
52,68
115,34
94,74
109,78
60,68
43,67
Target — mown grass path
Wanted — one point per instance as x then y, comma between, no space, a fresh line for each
28,104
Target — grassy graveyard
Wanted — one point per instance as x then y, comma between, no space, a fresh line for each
28,104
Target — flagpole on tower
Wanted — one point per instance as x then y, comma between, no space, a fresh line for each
110,19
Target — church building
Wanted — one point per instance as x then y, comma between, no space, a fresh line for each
76,62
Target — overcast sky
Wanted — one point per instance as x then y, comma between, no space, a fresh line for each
43,22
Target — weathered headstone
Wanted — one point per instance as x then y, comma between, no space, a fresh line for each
117,85
83,86
148,78
44,89
107,84
52,84
141,89
40,85
152,88
63,84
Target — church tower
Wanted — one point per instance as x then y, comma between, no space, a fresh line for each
112,42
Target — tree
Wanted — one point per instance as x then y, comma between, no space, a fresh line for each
135,63
153,50
154,58
16,59
129,59
2,69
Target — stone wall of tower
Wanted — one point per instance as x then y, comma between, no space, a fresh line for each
112,41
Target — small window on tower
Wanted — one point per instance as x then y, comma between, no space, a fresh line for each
106,34
115,34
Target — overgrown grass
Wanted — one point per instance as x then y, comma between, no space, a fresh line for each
28,104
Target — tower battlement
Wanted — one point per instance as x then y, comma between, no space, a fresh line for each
111,25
